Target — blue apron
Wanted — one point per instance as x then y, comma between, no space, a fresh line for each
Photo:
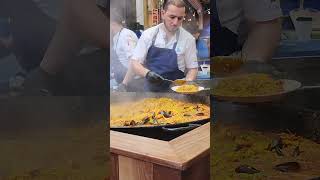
164,62
223,41
117,68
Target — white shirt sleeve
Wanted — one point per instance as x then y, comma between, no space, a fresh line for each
191,54
143,45
129,43
262,10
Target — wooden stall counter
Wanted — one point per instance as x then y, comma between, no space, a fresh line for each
186,157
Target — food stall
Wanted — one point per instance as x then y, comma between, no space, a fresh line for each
151,150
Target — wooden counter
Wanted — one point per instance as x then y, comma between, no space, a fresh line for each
186,157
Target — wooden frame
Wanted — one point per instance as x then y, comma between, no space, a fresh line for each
186,157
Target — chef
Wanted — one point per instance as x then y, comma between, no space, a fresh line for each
166,50
123,44
251,28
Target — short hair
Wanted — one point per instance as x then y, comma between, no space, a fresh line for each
177,3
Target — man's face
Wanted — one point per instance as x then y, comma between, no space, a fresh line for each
173,17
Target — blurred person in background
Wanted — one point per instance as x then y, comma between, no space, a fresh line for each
251,28
30,27
201,44
123,44
166,50
81,21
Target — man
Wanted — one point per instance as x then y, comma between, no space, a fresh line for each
166,50
32,18
81,21
251,27
124,42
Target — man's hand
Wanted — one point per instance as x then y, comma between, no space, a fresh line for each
154,77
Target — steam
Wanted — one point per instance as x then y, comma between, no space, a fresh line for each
120,97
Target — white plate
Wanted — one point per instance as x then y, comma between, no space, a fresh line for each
174,88
288,86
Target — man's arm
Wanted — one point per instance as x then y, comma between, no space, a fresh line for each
75,26
151,76
263,39
192,74
139,69
129,75
191,61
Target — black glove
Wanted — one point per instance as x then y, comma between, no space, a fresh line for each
154,77
122,88
38,82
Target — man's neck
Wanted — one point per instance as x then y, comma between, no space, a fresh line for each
169,34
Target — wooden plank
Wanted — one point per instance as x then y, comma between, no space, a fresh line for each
114,175
147,149
192,146
198,170
179,153
134,169
165,173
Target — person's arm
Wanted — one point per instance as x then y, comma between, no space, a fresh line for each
139,69
151,76
129,46
191,60
129,75
263,39
140,54
81,21
192,74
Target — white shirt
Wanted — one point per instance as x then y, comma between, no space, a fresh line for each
185,49
233,13
124,45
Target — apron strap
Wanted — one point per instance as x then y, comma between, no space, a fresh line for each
177,38
155,36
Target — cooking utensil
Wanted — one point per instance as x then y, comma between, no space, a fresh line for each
200,88
288,86
177,82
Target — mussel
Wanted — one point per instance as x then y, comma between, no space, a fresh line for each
133,123
145,120
288,167
200,114
166,114
246,169
276,145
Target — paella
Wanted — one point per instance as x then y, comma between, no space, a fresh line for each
156,111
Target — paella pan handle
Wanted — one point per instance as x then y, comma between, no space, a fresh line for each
186,128
310,87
